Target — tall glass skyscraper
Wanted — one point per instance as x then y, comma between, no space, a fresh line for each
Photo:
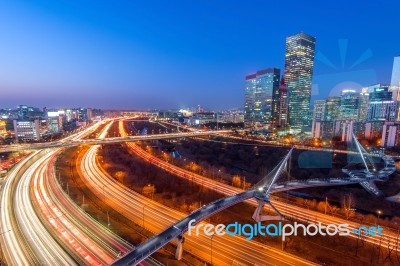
262,97
395,82
299,63
396,72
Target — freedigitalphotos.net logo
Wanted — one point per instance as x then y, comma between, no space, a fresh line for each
337,71
283,230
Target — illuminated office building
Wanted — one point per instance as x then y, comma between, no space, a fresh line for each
332,111
349,105
262,97
283,116
364,103
379,92
53,122
395,82
299,63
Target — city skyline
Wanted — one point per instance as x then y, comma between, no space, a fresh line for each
199,133
128,56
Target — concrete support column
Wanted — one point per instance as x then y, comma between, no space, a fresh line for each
179,247
258,217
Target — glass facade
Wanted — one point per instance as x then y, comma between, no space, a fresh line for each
395,82
319,110
299,63
378,93
262,97
332,111
364,101
349,105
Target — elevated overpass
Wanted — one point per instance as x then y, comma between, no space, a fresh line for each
74,142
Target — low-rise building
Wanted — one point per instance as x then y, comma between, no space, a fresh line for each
27,130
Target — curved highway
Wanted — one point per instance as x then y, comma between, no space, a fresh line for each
89,241
288,210
24,238
92,242
15,250
66,227
28,242
156,217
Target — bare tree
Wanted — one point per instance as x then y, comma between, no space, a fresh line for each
236,181
348,203
389,251
360,238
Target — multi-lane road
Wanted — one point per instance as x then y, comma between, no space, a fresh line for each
24,238
41,225
288,210
156,217
25,241
61,217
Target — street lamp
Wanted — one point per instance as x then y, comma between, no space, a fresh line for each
108,220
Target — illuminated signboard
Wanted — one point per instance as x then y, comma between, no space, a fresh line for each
52,114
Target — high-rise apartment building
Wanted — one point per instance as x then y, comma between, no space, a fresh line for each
262,97
299,63
390,134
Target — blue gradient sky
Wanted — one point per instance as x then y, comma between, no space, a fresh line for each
172,54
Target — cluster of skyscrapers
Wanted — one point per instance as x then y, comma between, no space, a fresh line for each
372,113
280,104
